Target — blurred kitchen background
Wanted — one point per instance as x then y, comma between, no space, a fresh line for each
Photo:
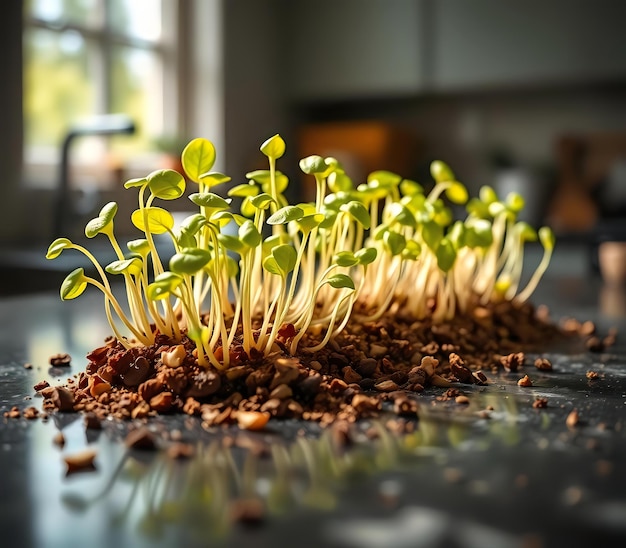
522,95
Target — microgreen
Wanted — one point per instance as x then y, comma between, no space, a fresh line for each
237,277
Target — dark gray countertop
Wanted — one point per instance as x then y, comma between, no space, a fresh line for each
518,478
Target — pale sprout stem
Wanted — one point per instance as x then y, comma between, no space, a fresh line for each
384,305
266,340
237,313
329,330
118,310
525,294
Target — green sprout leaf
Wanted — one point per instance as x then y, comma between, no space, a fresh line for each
478,233
166,184
57,247
249,234
198,158
478,208
243,190
341,281
139,246
262,201
135,183
272,241
526,232
309,222
384,179
372,191
193,223
335,200
366,255
394,241
446,255
163,286
271,265
274,147
159,220
345,259
410,188
546,237
263,177
412,250
457,193
190,261
514,202
74,285
358,212
401,214
286,257
432,233
131,266
209,200
487,195
441,172
312,165
232,243
214,178
102,221
330,217
285,215
338,181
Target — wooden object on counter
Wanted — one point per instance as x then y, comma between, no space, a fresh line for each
360,146
584,162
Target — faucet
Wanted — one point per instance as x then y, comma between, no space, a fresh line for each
107,124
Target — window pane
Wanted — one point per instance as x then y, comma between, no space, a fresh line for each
136,18
78,12
58,85
137,90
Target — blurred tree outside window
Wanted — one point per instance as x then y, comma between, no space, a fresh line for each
90,57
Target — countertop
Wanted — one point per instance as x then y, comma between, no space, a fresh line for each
516,476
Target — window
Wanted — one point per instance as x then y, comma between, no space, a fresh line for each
84,58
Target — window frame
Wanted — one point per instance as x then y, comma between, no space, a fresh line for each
171,49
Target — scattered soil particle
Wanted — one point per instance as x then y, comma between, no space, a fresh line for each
28,366
252,420
573,419
462,400
141,438
540,403
82,461
595,344
572,496
92,421
30,413
13,413
592,375
543,364
59,439
604,467
513,361
180,450
60,360
63,399
41,385
247,511
453,475
525,381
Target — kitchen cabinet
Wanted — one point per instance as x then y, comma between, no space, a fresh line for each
492,44
359,49
352,48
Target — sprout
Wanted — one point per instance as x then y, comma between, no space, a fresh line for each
239,277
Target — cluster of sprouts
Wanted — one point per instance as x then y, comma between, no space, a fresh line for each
272,269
